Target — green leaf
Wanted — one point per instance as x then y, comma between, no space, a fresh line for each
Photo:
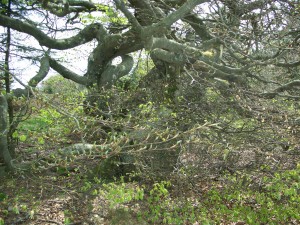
41,140
23,137
1,221
3,196
15,134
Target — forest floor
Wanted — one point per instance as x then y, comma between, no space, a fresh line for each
58,196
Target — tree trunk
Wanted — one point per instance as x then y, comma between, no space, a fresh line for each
4,153
7,79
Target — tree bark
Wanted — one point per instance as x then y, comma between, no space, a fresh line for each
4,153
7,78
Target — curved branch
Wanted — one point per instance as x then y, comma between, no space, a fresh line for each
162,26
126,65
113,73
282,88
198,25
43,71
206,67
68,74
173,46
287,86
287,65
87,5
86,35
183,10
213,72
68,7
120,4
169,57
181,53
143,11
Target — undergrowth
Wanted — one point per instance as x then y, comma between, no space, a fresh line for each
276,201
213,144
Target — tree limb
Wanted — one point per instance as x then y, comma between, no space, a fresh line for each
282,88
169,57
198,25
287,86
162,26
181,53
68,74
179,13
42,73
113,73
144,12
173,46
68,7
288,65
212,72
120,4
86,35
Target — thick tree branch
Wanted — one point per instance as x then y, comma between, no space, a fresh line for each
144,12
173,46
181,12
207,68
198,25
288,65
86,35
42,73
113,73
63,8
288,86
181,53
169,57
213,72
162,26
282,88
120,4
68,74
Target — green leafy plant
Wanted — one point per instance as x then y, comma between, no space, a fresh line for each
68,217
277,203
118,194
87,186
167,210
3,196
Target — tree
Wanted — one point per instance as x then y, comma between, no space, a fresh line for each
229,41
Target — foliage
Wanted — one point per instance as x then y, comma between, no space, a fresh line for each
119,194
61,86
277,201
